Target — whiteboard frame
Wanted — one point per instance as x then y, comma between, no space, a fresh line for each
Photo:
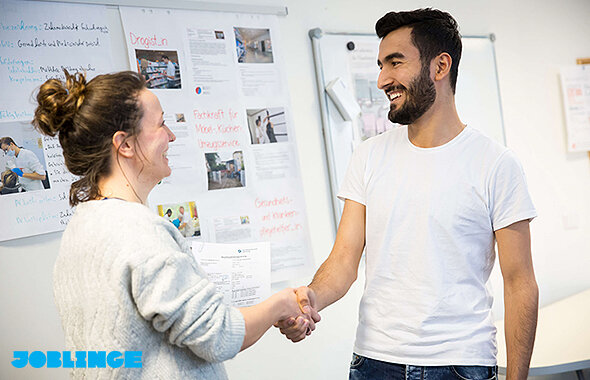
315,36
186,4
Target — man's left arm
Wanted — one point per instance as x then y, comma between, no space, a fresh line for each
521,296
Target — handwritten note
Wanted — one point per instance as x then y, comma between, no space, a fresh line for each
39,40
218,129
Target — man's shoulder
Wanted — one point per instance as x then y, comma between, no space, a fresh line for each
25,153
483,145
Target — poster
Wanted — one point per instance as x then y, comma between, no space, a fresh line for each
575,85
37,41
235,171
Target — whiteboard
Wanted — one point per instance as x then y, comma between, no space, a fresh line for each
477,95
235,185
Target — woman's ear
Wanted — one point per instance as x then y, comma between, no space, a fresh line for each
122,145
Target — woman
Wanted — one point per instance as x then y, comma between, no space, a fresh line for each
125,279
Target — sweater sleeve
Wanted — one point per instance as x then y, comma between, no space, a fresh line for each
170,293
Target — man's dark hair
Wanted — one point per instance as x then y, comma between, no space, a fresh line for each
433,32
165,57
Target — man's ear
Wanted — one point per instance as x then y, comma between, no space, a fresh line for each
122,144
442,66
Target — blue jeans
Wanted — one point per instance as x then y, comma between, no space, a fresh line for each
363,368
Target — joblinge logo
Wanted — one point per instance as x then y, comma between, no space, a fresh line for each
77,359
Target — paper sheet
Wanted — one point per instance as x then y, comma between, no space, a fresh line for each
575,85
241,272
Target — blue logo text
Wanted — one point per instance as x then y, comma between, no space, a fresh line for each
80,359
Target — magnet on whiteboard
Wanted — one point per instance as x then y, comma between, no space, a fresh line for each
343,99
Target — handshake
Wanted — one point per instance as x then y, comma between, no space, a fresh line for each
299,313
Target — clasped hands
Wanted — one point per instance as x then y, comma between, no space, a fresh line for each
302,322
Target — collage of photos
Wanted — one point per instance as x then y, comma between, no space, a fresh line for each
225,170
160,68
267,125
22,162
253,45
184,217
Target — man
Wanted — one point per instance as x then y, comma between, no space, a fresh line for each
170,71
28,167
270,130
427,201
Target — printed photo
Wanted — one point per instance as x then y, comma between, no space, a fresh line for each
160,68
253,45
225,170
267,125
184,216
22,161
180,118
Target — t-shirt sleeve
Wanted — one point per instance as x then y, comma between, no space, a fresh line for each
171,294
510,201
353,187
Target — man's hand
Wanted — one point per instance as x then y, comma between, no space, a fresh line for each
296,329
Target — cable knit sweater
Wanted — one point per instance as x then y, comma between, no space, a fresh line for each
125,280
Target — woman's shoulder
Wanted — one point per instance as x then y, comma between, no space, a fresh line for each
120,231
129,224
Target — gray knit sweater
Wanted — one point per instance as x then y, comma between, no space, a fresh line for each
125,280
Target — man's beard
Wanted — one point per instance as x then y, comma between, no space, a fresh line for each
419,98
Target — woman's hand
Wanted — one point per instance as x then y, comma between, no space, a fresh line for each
297,326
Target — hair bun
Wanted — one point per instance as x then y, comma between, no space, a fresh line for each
58,103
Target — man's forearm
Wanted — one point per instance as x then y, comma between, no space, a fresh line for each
331,282
521,303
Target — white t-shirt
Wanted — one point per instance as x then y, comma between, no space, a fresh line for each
431,214
29,163
170,71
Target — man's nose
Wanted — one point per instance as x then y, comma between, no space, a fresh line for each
384,79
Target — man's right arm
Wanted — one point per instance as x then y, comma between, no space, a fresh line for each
335,275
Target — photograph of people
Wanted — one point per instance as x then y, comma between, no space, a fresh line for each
27,166
160,68
267,125
225,170
183,216
426,202
147,292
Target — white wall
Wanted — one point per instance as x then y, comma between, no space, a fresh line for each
533,39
